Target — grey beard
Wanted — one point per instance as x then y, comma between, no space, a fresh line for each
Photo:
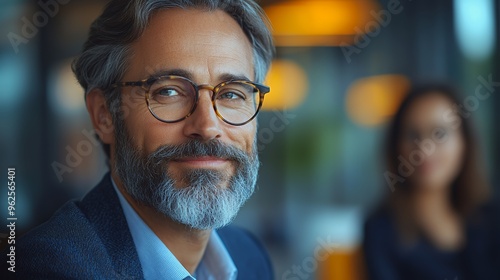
203,203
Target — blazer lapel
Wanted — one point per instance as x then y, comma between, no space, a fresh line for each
103,209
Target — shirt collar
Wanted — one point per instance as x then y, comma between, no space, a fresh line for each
216,262
158,262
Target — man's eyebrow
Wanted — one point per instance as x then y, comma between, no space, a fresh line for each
172,72
231,77
186,74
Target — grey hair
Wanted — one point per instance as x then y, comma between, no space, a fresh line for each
104,59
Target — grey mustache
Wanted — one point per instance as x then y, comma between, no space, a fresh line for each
197,148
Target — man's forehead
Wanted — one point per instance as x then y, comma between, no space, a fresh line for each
194,22
193,40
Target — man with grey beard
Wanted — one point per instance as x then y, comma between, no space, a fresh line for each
172,88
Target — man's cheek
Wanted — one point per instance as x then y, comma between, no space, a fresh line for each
249,139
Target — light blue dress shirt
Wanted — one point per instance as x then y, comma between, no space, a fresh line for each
159,263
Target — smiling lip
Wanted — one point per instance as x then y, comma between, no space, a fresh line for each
203,162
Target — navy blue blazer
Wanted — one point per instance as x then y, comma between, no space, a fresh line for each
90,239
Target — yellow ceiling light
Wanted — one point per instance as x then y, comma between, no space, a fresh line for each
288,83
372,101
319,22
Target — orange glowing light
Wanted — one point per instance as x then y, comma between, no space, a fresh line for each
288,83
372,101
319,22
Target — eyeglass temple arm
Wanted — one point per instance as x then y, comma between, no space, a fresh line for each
263,89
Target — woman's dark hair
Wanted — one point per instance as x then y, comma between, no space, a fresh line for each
469,190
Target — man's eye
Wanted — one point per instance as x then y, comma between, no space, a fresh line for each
167,92
230,95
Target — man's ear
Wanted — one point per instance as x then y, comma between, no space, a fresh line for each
100,116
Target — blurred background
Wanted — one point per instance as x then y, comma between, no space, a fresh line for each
342,67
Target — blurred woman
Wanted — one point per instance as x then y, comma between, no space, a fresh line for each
435,223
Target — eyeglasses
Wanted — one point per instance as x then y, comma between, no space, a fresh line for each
172,99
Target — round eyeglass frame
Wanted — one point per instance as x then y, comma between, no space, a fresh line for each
147,83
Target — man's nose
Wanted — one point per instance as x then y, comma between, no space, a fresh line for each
203,123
